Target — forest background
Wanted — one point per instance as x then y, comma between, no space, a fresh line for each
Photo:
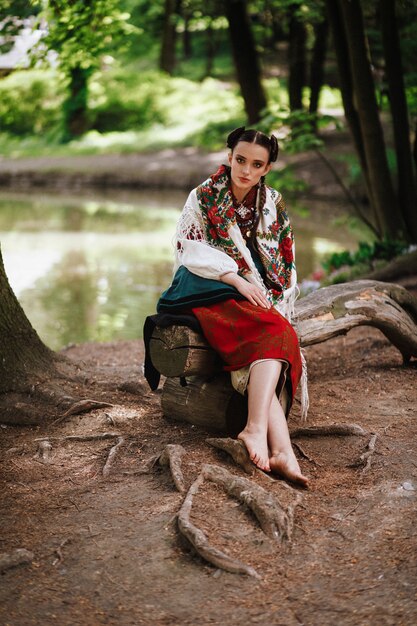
137,76
92,526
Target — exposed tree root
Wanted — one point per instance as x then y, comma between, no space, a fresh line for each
237,451
171,457
199,541
271,515
20,556
97,437
304,453
82,406
58,552
365,459
44,451
331,430
111,456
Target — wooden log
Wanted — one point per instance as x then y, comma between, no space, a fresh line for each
209,399
180,351
211,403
334,310
322,315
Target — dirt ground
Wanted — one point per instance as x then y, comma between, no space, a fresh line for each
107,550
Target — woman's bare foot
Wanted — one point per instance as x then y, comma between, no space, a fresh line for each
257,447
287,466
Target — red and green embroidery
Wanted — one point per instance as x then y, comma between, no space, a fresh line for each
274,237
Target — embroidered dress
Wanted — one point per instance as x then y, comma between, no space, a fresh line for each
211,240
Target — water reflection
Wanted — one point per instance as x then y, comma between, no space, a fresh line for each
91,269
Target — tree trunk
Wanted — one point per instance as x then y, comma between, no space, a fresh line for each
186,37
415,145
22,352
34,380
76,121
388,218
246,59
407,192
167,58
296,61
346,88
210,49
317,64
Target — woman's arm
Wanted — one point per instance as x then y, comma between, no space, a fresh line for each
254,294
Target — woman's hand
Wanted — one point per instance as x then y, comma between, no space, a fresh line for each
252,293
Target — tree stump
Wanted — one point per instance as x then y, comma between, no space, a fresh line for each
205,396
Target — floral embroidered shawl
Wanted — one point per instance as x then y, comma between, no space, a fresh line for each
274,235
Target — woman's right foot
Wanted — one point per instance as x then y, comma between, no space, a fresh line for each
286,465
257,447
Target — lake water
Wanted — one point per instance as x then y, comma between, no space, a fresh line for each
91,268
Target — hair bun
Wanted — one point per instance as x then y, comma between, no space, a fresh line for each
234,136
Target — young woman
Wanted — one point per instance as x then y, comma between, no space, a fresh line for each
235,271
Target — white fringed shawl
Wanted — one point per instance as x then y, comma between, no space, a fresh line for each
208,242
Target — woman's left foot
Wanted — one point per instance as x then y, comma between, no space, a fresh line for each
286,465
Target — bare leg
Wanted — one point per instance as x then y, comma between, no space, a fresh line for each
261,390
282,460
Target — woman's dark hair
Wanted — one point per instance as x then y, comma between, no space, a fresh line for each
254,136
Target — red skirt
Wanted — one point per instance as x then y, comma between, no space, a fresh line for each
241,333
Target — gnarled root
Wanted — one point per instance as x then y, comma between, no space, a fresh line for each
330,430
237,451
276,521
199,541
82,406
111,456
171,457
365,459
273,518
44,450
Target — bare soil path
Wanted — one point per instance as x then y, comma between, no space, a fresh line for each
106,550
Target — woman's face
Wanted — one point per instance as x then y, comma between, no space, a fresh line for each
249,161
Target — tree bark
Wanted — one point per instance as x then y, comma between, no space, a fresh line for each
186,37
346,89
33,379
210,48
407,192
167,59
383,197
317,63
296,60
22,353
76,121
245,58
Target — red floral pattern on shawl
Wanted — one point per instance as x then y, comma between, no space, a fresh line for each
274,234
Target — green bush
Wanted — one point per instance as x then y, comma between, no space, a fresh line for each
123,100
30,102
366,255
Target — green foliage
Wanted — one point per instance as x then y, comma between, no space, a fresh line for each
30,102
81,32
122,100
297,129
366,255
131,111
286,181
